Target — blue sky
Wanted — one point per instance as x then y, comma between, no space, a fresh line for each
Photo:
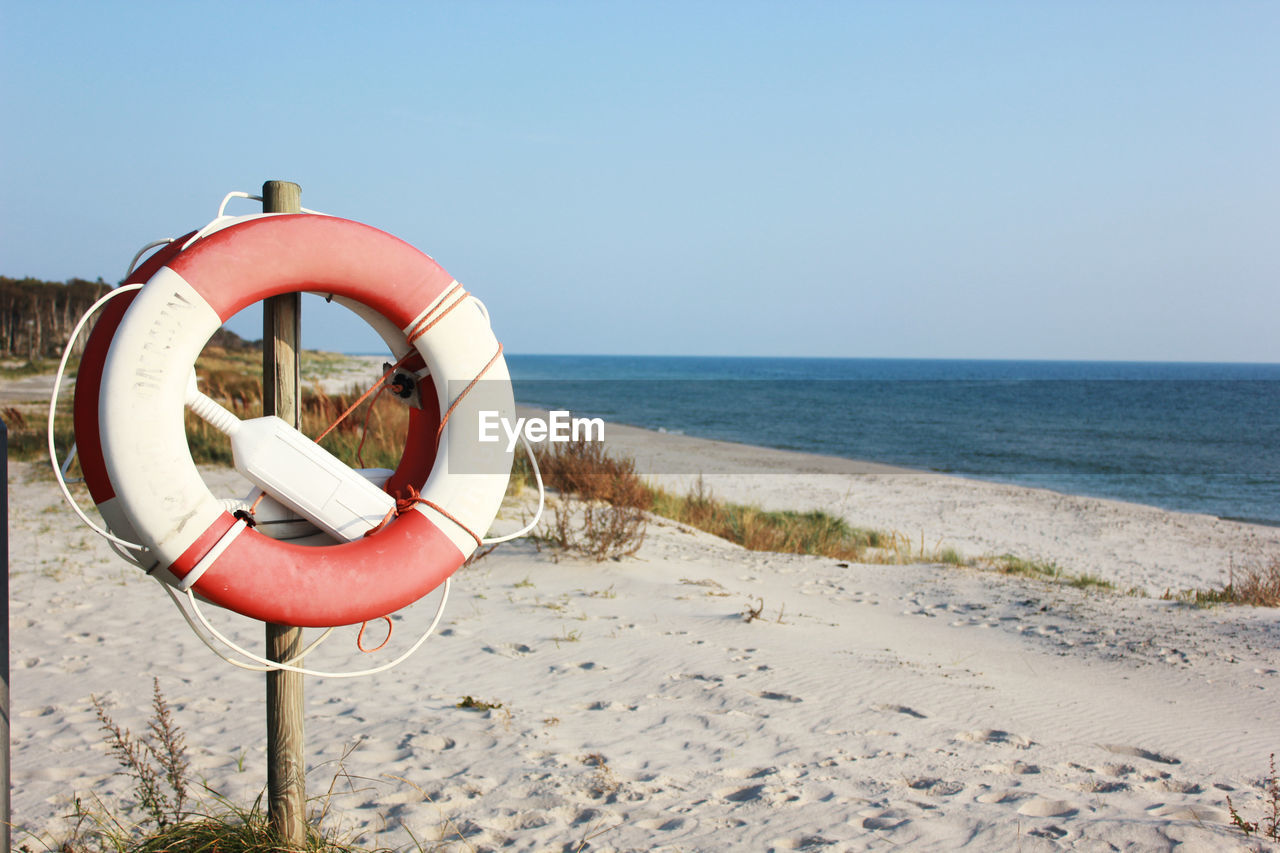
875,179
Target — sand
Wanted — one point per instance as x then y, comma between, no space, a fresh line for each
872,707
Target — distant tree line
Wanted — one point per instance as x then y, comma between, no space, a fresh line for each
36,317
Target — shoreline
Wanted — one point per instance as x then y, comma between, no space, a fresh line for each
978,518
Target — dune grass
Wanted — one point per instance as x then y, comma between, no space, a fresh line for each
1008,564
1255,585
594,478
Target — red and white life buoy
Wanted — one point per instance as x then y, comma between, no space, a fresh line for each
412,470
85,407
148,467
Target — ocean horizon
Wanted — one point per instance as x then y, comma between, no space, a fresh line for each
1192,437
1187,436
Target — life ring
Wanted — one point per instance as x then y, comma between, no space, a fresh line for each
412,470
147,462
85,405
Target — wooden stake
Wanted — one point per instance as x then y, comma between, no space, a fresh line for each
286,761
5,803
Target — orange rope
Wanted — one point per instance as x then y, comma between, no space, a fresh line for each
465,391
424,326
375,388
368,415
385,640
414,498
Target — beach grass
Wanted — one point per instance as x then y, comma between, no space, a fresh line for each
1255,585
1008,564
587,471
159,815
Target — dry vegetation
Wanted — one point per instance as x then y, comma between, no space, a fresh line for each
1256,584
167,811
233,377
603,504
371,437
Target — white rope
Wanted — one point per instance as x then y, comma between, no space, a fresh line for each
264,665
133,264
66,466
195,630
222,208
53,412
542,500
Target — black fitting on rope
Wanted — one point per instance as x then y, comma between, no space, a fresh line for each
246,516
402,385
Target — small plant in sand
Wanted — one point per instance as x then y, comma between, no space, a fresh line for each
1257,585
566,636
752,613
1269,826
602,783
1008,564
595,529
162,817
755,612
157,762
473,704
600,512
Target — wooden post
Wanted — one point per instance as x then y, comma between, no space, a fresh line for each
286,762
6,828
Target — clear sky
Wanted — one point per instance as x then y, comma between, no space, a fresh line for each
1096,180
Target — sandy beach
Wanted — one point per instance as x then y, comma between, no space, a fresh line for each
923,707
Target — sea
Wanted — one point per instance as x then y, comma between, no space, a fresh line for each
1189,437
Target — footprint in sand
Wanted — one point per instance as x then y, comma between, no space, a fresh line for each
1044,807
1190,811
742,795
890,818
427,742
696,676
667,824
900,709
1170,785
1012,768
936,787
779,697
1139,752
994,736
750,772
804,842
508,650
